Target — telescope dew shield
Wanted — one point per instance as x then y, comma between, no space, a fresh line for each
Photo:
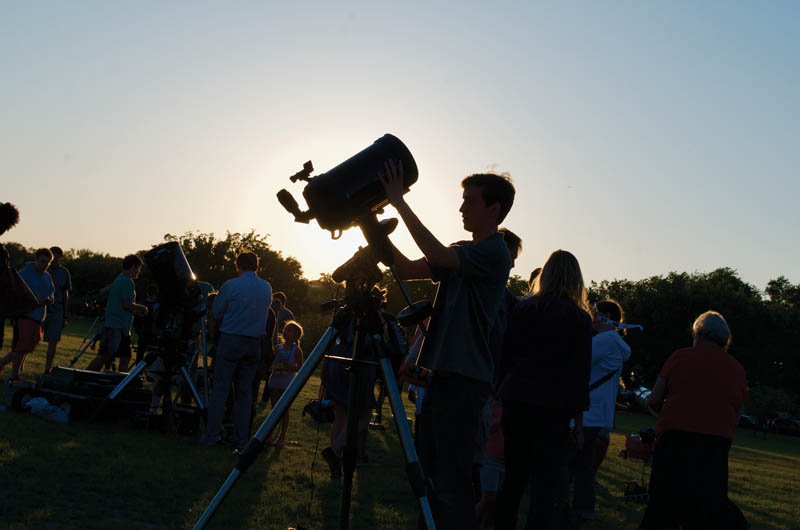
350,190
172,274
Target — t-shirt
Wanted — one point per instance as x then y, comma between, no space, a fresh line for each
706,387
41,285
117,316
466,307
609,351
63,283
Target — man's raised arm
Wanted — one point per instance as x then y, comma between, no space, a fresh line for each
436,253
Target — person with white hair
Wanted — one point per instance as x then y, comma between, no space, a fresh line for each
700,390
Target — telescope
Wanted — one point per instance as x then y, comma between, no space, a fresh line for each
340,197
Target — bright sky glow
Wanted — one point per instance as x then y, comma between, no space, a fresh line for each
644,137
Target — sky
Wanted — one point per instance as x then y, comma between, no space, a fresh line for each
644,137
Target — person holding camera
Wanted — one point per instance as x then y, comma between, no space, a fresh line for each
240,316
472,277
544,384
609,352
700,390
115,339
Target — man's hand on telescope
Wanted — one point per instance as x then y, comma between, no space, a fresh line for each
392,180
436,254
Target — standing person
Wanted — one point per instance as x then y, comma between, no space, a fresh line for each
240,315
700,390
544,376
472,276
282,313
288,359
28,328
115,340
57,312
609,352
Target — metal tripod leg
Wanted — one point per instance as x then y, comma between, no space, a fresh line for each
83,349
413,468
187,378
256,444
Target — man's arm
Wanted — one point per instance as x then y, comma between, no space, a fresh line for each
435,252
136,309
409,269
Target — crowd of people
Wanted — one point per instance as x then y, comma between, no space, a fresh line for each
510,393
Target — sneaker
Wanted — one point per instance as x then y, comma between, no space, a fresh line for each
334,462
588,516
362,461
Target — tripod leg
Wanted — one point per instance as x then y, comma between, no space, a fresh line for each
256,444
350,447
413,467
147,361
187,377
82,350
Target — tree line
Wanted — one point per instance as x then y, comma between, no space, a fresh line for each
765,325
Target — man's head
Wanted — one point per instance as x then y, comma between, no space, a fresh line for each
57,253
42,259
278,300
132,265
487,200
607,309
712,327
513,243
247,261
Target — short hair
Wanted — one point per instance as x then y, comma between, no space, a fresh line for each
247,260
612,309
561,276
712,327
43,252
513,241
494,189
280,296
131,260
56,251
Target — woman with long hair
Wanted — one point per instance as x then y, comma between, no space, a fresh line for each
544,383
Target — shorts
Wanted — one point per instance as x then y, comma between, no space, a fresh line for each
27,334
492,472
114,344
53,324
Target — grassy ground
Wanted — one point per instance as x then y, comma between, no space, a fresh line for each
114,475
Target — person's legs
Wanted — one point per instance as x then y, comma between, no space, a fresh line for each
124,353
247,364
223,377
518,426
454,406
274,396
110,340
584,472
601,448
51,355
53,325
548,452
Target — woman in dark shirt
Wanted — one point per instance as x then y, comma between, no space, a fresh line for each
544,383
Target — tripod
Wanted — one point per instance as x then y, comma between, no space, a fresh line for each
168,348
360,308
98,322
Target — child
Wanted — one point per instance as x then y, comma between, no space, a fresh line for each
288,358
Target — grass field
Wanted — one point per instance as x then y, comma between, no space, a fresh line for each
115,475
